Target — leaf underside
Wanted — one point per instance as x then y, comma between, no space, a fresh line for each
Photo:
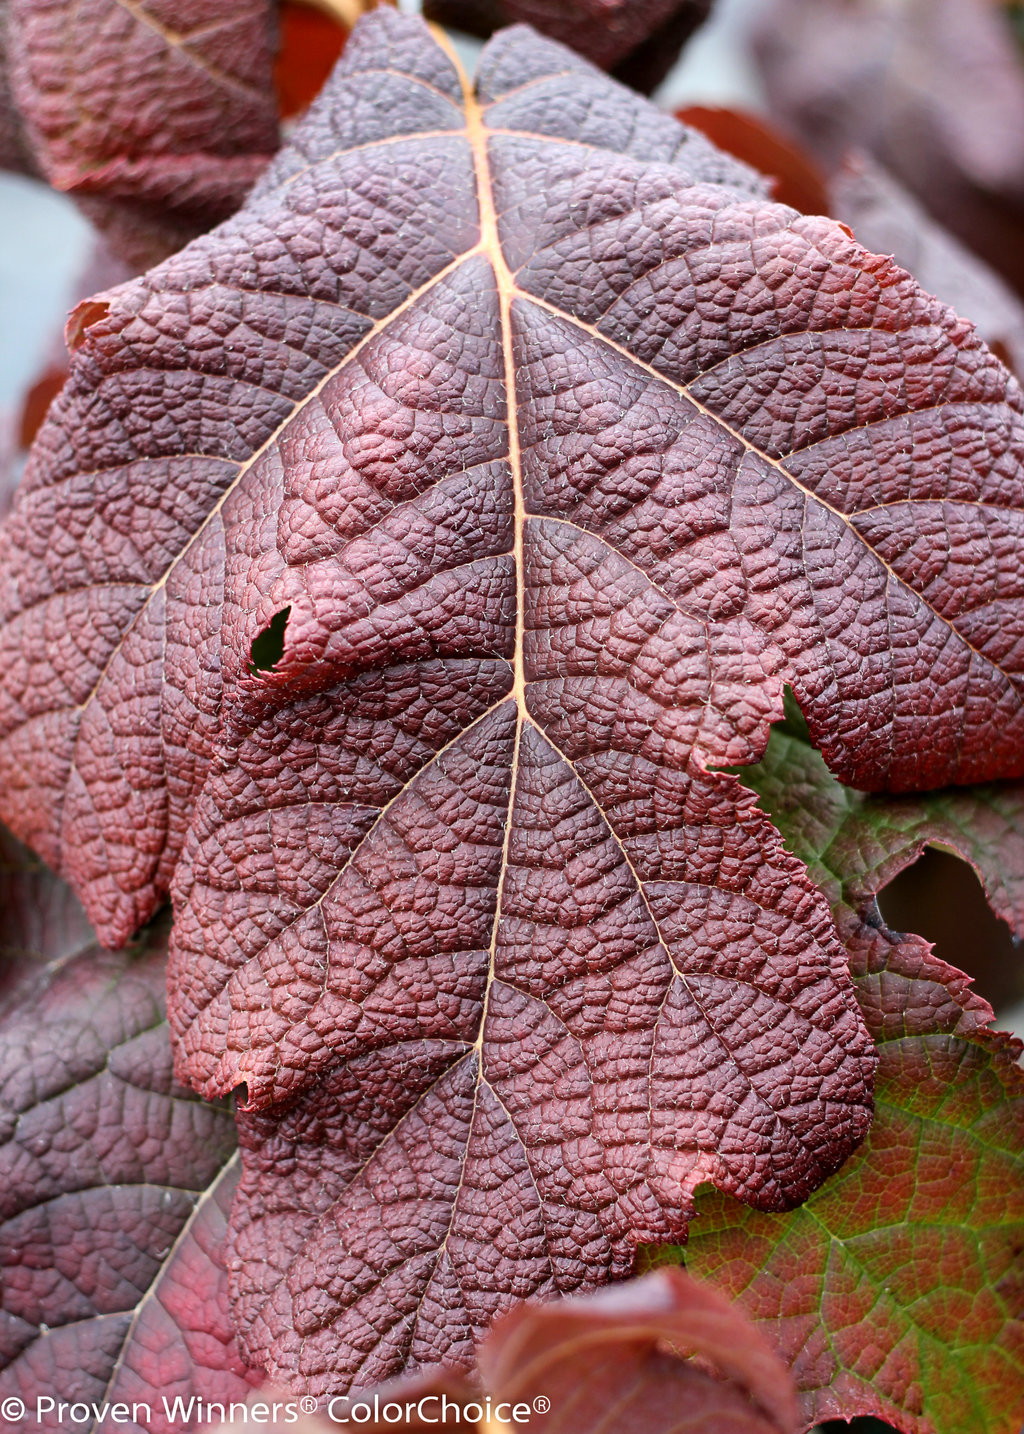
564,449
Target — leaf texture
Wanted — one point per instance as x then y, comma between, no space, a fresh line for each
555,449
897,1289
662,1354
114,1203
885,217
217,381
157,115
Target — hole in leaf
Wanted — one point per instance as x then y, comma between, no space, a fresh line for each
268,646
941,899
862,1424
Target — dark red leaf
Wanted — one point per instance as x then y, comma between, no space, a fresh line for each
462,880
611,1363
661,1355
157,116
112,1197
636,40
886,218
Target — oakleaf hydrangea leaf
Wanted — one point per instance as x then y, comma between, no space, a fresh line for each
898,1288
115,1186
157,116
398,571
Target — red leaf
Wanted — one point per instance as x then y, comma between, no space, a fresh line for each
885,217
663,1354
113,1204
158,116
611,1362
462,879
311,42
37,401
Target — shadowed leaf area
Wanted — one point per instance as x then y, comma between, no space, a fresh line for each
940,898
115,1182
563,450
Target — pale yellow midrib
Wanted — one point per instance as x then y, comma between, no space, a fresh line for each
490,246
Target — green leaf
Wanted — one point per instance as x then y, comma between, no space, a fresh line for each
897,1289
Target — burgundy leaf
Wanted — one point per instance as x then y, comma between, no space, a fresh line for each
109,723
112,1201
462,881
885,217
157,116
235,337
662,1354
611,1362
637,40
